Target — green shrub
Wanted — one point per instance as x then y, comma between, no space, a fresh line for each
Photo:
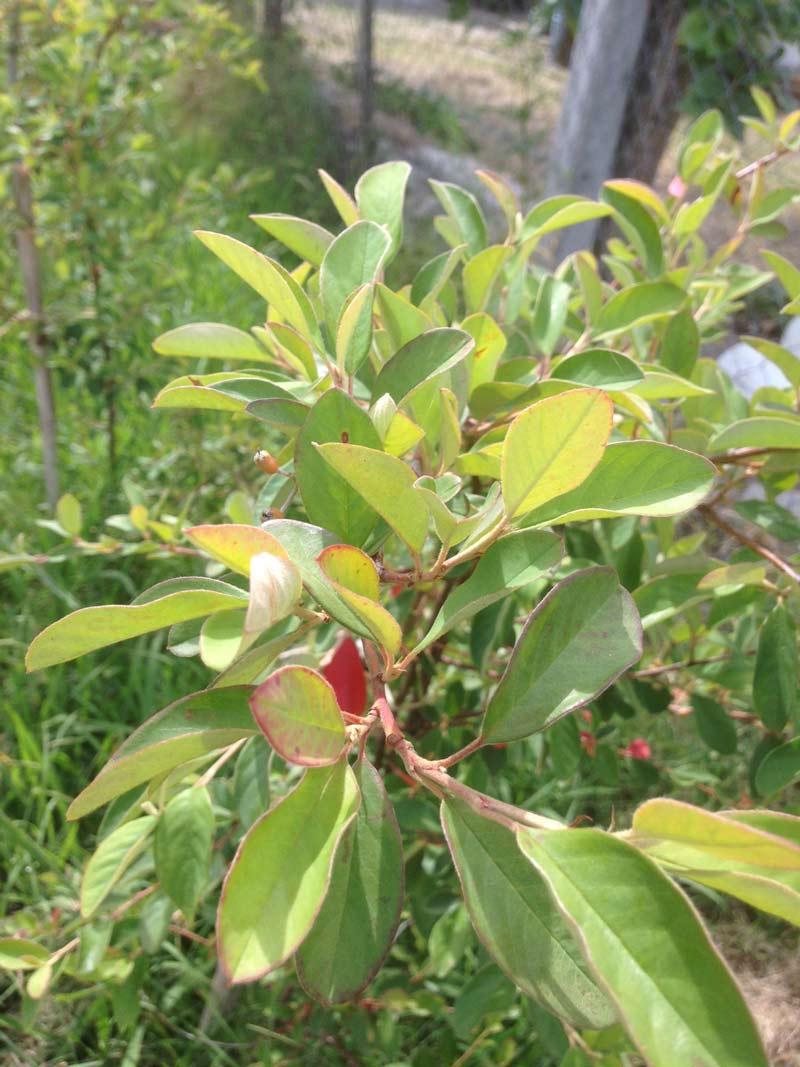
494,497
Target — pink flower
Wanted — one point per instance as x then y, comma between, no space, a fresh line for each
638,749
677,187
588,742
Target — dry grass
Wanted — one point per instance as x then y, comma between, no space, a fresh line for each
768,970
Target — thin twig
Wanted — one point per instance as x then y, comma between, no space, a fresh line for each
743,539
764,161
666,668
739,455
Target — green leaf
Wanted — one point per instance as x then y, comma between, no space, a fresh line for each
480,274
210,340
285,415
295,349
786,360
401,320
633,478
779,768
250,785
235,545
113,857
329,500
185,730
354,330
269,279
552,447
775,678
637,305
490,343
380,194
69,515
249,665
21,954
342,201
758,432
788,274
297,711
433,275
777,823
558,212
464,212
645,942
667,595
715,726
600,368
681,345
357,923
637,224
183,841
733,576
387,485
217,392
306,239
663,385
504,194
508,564
516,918
221,638
576,642
421,359
303,543
279,877
88,629
549,313
634,190
354,259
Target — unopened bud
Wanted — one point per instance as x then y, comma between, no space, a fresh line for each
265,462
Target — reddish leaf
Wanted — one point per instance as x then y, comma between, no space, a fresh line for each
345,672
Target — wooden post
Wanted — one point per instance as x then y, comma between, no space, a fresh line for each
30,270
268,19
603,62
366,81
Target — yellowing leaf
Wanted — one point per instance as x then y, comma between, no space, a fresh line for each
552,447
235,545
351,568
354,577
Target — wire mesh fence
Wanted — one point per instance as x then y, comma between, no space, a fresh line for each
449,84
455,85
483,77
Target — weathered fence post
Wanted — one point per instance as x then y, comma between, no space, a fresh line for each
30,271
603,61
